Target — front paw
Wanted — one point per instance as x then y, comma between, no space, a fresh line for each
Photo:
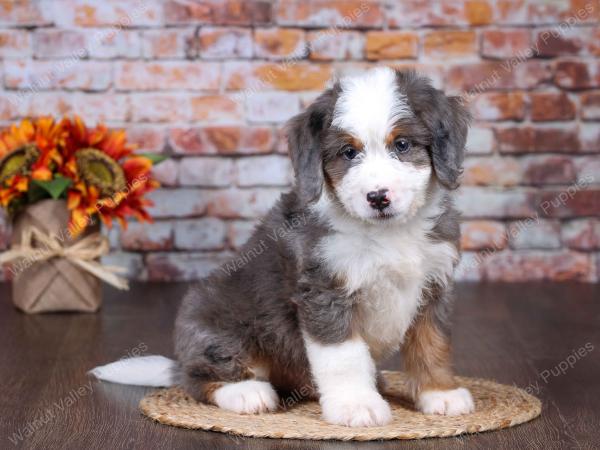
352,409
449,403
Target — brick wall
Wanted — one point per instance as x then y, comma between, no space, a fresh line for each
210,84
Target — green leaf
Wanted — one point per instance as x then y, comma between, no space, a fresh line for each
36,193
56,188
154,157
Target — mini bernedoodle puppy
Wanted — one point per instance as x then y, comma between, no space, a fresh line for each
362,265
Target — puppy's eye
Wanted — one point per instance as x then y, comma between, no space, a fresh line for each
402,145
349,152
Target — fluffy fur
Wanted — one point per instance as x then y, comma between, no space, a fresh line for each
355,263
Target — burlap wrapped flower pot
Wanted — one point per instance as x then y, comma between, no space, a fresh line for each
49,277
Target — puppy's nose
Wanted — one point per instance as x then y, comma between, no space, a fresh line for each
378,199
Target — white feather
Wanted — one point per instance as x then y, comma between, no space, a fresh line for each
151,370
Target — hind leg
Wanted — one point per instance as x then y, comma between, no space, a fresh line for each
215,369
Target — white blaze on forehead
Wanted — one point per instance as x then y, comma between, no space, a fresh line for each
369,104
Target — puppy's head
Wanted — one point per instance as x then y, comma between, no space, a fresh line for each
379,144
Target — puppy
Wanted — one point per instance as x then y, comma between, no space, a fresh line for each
352,265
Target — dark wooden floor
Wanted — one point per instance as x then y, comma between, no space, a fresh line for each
515,334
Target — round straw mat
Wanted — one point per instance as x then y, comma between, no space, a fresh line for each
496,406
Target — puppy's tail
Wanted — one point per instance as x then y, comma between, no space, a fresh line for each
151,370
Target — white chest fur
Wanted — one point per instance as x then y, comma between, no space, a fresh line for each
387,270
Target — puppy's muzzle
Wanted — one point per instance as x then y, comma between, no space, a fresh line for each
378,200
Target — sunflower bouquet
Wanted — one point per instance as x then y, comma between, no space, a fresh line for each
58,181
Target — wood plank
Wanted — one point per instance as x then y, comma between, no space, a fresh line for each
517,334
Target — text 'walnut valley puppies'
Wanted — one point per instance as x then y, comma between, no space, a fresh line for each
363,269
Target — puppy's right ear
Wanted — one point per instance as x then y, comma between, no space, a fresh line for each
304,143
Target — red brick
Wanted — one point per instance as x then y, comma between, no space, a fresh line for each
582,234
499,106
206,172
66,74
50,104
153,107
167,75
478,12
546,106
271,107
166,43
108,43
200,234
511,12
57,43
528,139
148,236
574,11
120,13
575,200
536,233
577,74
167,172
271,170
494,203
12,106
329,13
537,265
492,171
102,107
242,203
485,76
132,263
278,43
506,43
15,44
442,44
182,266
391,45
220,12
23,13
557,41
590,105
593,43
293,77
483,234
326,45
221,43
180,202
147,138
222,139
214,108
416,13
544,170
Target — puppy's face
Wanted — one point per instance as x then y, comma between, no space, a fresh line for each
378,144
376,161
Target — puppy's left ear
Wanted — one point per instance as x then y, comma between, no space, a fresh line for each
304,143
448,121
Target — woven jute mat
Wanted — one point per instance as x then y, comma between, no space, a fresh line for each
496,406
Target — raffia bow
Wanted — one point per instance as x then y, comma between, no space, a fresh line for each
37,246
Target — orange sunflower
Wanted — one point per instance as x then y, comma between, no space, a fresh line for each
108,179
28,151
95,169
